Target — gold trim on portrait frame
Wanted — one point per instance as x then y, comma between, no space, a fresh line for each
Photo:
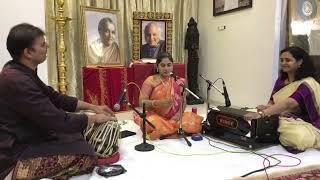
138,17
85,40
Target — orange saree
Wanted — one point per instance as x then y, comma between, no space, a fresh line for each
166,120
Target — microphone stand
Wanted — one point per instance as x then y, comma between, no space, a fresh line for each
208,96
180,130
209,85
144,146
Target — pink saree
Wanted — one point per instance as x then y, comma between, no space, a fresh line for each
166,120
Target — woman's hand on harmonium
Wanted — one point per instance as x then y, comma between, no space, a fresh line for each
100,118
252,115
261,107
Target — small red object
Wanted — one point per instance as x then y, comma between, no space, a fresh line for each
113,158
194,110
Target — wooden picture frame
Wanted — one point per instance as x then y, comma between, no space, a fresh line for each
143,23
102,37
226,6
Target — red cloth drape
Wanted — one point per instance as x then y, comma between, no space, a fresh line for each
103,85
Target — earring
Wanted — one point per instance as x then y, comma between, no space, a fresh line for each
157,70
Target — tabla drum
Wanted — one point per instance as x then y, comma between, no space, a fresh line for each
103,137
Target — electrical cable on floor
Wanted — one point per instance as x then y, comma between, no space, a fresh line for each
193,154
264,156
245,151
294,165
178,154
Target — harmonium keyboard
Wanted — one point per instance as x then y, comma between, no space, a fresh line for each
228,124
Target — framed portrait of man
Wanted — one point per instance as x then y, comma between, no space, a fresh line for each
102,40
153,40
152,34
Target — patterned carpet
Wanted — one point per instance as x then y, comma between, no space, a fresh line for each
303,173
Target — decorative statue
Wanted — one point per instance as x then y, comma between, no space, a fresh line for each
192,45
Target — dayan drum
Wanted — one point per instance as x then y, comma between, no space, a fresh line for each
103,137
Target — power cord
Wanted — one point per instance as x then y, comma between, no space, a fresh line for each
264,156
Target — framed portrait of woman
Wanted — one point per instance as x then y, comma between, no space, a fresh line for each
102,40
152,34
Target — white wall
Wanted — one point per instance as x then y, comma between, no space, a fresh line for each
13,12
245,54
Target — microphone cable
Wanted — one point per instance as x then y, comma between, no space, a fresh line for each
264,156
217,80
135,85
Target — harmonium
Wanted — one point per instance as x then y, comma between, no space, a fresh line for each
228,124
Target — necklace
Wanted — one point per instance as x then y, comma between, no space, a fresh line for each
166,83
167,87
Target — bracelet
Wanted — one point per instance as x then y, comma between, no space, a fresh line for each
262,114
153,103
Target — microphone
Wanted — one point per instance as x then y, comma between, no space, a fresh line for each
208,81
172,74
180,83
121,98
177,79
211,84
225,94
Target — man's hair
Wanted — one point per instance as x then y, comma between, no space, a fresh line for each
102,26
306,69
146,29
22,36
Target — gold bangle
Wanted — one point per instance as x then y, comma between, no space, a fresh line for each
153,103
262,114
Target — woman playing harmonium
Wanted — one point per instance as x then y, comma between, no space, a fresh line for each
162,98
295,97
